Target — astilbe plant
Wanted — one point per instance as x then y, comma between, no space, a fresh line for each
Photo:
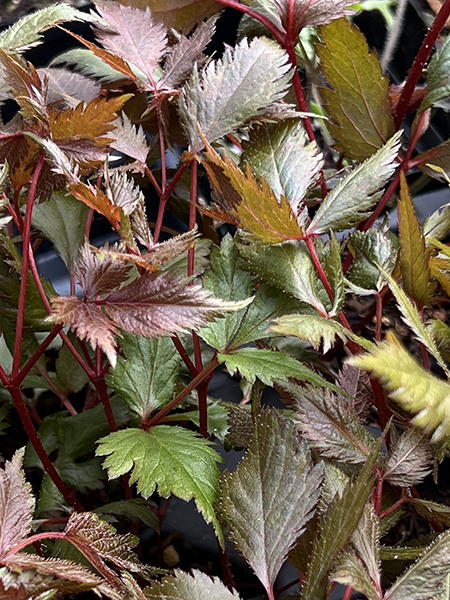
147,321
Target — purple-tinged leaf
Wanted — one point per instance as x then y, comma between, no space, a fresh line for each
233,90
69,87
122,191
130,141
134,36
159,305
182,56
16,504
411,459
87,321
270,497
356,383
172,248
98,273
366,542
186,586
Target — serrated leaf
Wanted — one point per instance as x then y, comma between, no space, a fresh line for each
130,140
288,267
16,504
233,90
181,15
351,199
412,318
424,579
269,366
410,461
366,542
256,208
122,191
62,219
158,305
267,501
182,56
414,257
432,511
69,87
335,274
96,199
315,329
279,154
133,35
185,586
136,510
410,385
87,321
174,460
225,279
26,33
359,102
146,372
98,273
349,571
441,334
336,527
437,224
330,424
438,88
87,63
371,248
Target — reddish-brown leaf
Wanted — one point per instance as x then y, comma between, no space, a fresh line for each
99,272
87,321
16,504
96,199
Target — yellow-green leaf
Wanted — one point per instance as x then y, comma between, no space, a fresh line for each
410,385
414,256
359,102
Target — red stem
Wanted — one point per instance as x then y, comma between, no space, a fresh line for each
419,63
164,198
182,395
320,271
153,181
35,357
279,35
348,593
380,403
379,313
69,495
184,355
378,493
26,233
64,399
48,535
390,510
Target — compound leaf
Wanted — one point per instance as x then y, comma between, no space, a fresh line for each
269,366
175,460
349,201
146,373
16,504
414,257
410,385
233,90
189,586
359,102
257,209
410,461
270,497
279,154
425,579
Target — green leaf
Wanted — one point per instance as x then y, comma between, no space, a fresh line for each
217,419
225,279
359,102
279,154
336,527
437,224
366,542
287,266
410,385
136,510
186,586
348,202
269,366
233,90
71,375
349,571
432,511
330,424
425,579
334,273
316,330
146,373
440,332
173,459
268,304
414,257
267,501
438,88
26,33
81,476
85,62
371,248
412,318
410,461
